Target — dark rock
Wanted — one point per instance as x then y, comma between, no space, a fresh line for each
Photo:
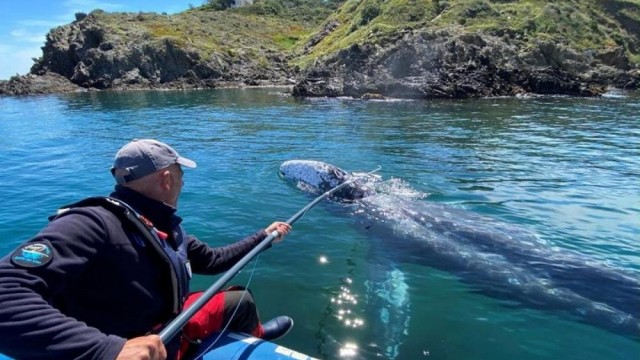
47,83
422,65
372,96
615,58
328,29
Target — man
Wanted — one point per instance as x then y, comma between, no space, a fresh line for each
107,274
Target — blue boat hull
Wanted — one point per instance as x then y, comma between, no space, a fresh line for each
240,346
231,346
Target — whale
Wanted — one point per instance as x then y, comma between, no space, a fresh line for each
495,258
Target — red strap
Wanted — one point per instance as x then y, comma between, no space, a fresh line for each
161,235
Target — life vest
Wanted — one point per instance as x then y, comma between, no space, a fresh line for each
176,258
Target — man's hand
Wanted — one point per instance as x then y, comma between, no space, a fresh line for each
282,227
148,347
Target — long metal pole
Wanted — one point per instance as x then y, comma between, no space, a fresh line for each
172,329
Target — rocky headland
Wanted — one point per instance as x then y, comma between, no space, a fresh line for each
423,64
364,49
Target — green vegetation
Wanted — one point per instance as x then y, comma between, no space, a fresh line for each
207,31
287,26
581,24
309,12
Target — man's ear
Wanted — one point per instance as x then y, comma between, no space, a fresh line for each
165,180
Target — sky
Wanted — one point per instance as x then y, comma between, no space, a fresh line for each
25,24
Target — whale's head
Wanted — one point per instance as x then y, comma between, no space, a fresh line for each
318,177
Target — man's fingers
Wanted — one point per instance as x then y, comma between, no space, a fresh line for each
148,347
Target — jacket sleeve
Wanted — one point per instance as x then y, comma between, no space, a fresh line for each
30,326
214,260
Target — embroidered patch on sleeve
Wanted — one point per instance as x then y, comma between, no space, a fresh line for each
32,255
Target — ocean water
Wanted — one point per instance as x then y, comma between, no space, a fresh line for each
563,169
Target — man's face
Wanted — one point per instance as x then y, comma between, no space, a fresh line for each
176,184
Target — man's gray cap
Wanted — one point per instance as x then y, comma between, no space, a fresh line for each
142,157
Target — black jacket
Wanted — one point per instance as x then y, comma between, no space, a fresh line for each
96,282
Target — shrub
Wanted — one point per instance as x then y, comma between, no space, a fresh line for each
369,13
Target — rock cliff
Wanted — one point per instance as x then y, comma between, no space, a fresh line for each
366,49
479,48
421,65
93,52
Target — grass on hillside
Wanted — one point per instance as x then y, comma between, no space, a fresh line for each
286,26
206,32
580,24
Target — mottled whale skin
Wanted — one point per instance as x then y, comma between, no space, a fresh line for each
496,259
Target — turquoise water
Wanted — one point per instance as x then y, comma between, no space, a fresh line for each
567,170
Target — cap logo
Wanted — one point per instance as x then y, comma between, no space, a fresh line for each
32,255
121,172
